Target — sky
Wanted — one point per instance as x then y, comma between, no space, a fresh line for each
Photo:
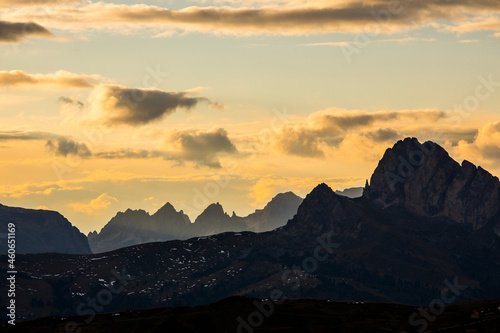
106,106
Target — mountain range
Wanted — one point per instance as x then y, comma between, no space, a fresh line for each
421,228
134,227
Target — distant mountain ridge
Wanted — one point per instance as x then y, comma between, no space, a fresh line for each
134,227
41,231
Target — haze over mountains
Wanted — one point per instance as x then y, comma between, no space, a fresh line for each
403,245
137,226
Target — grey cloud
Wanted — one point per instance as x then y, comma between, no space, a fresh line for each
382,135
346,121
27,135
65,147
14,32
118,105
329,129
299,142
202,148
129,154
68,100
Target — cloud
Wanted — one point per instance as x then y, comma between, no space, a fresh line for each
339,120
202,148
129,154
395,40
68,100
27,135
484,148
15,32
58,80
283,18
329,128
217,105
95,206
299,142
37,2
115,105
383,135
65,147
482,23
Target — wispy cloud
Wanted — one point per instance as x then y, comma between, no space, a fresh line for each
395,40
58,80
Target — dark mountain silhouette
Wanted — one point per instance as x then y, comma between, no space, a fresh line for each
425,179
382,246
134,227
41,231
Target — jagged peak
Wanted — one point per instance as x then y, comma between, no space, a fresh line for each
214,208
278,198
425,179
321,189
167,208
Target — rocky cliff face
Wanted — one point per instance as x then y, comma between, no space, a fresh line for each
41,231
426,180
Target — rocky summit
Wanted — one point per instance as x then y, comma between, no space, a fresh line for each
423,178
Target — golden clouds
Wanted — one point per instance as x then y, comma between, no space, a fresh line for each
331,127
95,206
58,80
281,17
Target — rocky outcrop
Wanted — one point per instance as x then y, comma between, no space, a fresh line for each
323,212
425,179
41,231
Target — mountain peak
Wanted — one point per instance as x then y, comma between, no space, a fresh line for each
426,180
321,189
214,210
166,209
